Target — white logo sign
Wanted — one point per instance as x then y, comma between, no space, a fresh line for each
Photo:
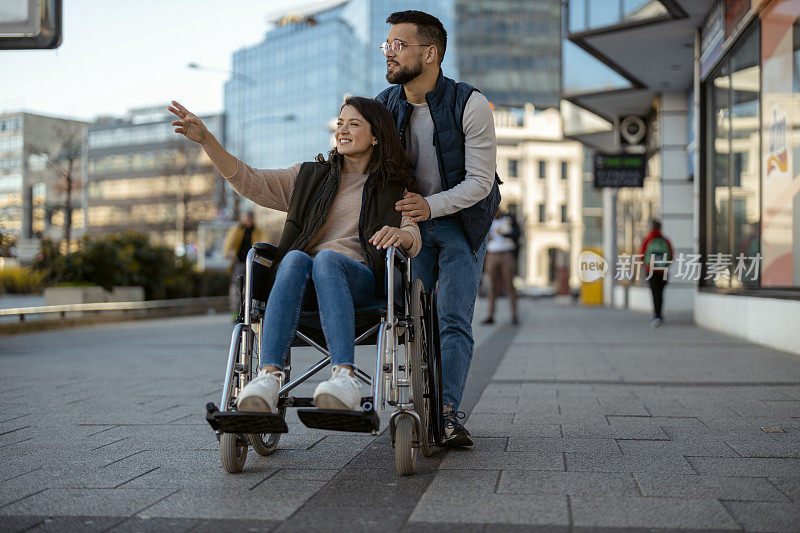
592,266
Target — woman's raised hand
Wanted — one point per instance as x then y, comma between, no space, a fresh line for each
188,124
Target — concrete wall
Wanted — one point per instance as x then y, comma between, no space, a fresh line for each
768,321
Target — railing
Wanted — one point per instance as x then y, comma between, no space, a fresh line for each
202,302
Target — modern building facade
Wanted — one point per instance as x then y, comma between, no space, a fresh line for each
511,50
543,186
717,84
36,152
143,177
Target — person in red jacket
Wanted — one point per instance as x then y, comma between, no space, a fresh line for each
657,256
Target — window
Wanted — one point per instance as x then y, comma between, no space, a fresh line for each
563,213
732,179
563,170
542,170
541,213
513,168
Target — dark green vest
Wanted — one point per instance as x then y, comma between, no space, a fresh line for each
314,191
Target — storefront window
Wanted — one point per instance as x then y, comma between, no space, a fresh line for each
733,174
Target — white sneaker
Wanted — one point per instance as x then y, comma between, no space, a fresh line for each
261,394
341,392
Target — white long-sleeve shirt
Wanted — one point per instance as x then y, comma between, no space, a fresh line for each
480,157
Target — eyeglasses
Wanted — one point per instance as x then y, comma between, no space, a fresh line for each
395,46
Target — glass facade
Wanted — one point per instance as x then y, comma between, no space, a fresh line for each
511,50
286,90
752,136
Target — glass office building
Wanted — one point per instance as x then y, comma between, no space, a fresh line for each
511,50
286,90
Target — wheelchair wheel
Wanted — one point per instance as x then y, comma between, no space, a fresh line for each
233,452
405,456
421,396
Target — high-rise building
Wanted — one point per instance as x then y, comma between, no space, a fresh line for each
510,50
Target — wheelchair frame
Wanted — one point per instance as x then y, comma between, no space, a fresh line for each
391,383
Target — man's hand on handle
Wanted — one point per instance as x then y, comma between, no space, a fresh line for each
414,206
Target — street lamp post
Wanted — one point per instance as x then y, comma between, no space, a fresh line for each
240,137
241,144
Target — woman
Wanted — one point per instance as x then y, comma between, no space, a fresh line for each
340,216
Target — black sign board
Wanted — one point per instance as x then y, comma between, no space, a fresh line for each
619,170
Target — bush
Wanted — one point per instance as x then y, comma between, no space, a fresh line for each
21,280
129,259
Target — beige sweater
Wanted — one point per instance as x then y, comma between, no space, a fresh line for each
273,189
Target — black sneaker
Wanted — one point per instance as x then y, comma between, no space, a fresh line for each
455,435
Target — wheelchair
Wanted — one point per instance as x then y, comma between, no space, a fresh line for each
409,381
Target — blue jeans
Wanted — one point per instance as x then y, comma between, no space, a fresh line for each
447,258
341,284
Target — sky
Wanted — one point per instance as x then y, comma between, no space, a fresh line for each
120,55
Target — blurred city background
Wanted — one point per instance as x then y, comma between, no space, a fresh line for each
698,97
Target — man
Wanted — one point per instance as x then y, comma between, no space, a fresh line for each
448,132
238,241
656,255
501,263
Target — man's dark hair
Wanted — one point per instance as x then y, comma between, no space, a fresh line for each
656,224
429,29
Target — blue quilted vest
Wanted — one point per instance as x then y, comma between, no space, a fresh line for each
446,104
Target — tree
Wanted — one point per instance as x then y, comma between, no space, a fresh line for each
64,158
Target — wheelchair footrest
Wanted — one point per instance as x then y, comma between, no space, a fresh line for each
235,422
355,421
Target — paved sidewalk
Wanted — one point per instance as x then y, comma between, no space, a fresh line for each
583,419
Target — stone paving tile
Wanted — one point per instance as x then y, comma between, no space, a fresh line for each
618,431
86,502
236,526
158,525
572,483
491,460
274,501
744,466
767,448
788,485
77,524
600,462
526,509
686,448
18,524
765,516
749,434
625,512
555,445
663,485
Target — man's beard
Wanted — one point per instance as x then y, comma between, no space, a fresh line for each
405,74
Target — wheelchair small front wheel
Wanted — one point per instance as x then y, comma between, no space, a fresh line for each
405,455
266,443
233,452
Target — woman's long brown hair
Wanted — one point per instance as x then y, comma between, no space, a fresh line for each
389,160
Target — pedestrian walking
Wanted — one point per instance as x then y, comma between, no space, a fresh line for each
501,263
448,133
341,217
238,241
656,255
